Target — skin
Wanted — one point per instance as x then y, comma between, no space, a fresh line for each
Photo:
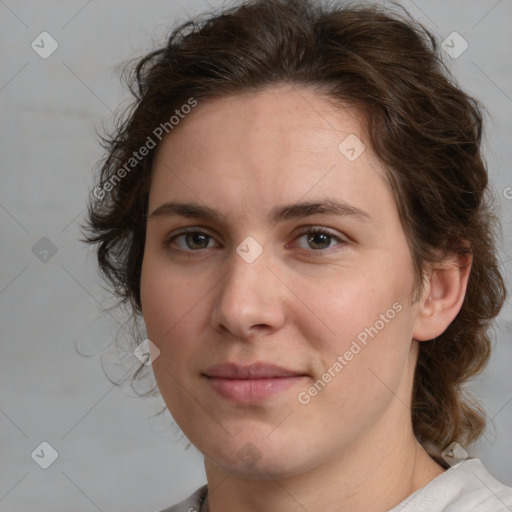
299,304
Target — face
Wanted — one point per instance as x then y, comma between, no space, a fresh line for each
284,328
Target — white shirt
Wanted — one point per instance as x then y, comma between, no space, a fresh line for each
465,487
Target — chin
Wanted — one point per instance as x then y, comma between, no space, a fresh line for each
260,460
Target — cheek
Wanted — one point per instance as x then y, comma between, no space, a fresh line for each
153,296
165,291
166,309
357,297
166,298
174,308
365,319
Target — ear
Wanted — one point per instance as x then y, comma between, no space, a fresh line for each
442,297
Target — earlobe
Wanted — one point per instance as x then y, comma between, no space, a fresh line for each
442,297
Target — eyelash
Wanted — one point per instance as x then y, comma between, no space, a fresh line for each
311,229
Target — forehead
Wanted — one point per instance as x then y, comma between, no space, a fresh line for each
272,146
303,118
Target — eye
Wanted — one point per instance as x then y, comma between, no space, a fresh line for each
189,241
319,238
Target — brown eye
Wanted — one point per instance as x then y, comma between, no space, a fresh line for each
189,241
196,240
319,239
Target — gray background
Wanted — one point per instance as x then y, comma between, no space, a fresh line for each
112,455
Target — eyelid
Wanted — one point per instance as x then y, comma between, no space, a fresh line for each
189,229
318,228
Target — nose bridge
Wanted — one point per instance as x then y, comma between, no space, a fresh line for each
247,295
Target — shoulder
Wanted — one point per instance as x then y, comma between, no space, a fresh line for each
465,487
190,504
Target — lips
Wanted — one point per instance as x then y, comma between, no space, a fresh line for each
256,370
251,383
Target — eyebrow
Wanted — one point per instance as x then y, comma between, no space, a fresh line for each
277,214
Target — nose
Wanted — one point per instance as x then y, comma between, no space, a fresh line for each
247,300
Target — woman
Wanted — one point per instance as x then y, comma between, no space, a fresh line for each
298,209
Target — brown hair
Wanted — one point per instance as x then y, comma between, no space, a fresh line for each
424,128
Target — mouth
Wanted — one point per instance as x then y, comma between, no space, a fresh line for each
251,383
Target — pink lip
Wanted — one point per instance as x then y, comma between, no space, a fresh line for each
256,370
250,383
